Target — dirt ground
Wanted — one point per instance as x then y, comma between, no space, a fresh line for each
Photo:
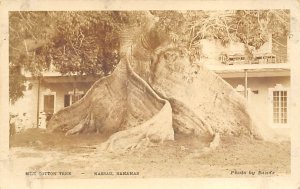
41,152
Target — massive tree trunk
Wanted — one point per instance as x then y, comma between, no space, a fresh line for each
152,94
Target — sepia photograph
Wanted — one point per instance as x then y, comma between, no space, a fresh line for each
139,94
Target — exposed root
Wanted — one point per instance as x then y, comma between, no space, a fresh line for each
212,146
87,124
215,142
78,128
156,130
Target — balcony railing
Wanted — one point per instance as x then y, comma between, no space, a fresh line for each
258,59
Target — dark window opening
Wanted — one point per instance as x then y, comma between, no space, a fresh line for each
48,106
67,100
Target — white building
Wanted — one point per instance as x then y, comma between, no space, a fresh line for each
46,96
266,77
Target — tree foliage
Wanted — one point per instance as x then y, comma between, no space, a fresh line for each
75,43
251,27
16,82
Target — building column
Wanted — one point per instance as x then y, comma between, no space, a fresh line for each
246,84
38,103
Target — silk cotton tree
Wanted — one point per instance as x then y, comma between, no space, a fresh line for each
153,92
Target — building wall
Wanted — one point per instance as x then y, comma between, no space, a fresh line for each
262,100
26,107
60,90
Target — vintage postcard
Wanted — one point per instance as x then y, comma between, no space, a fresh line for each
148,93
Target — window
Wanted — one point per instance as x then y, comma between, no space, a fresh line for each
48,100
278,112
67,100
72,97
280,107
49,104
76,97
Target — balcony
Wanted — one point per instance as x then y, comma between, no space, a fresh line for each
261,65
238,59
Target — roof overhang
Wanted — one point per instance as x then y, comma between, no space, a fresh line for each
253,70
70,79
